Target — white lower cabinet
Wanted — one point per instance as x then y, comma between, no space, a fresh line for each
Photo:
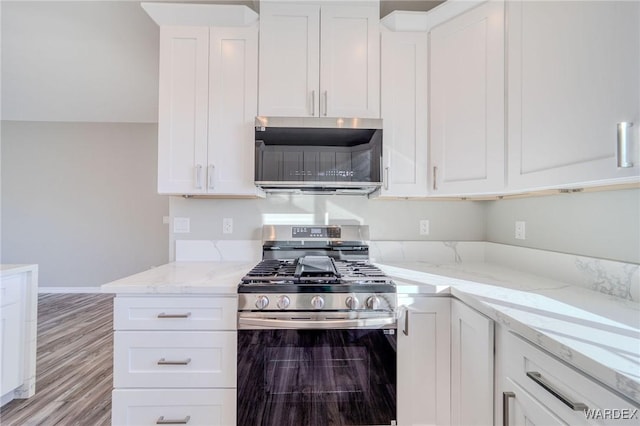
536,388
524,409
11,338
471,366
204,407
423,360
174,360
18,332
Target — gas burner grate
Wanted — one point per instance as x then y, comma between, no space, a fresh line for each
279,271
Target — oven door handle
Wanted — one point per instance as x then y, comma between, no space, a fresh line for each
270,323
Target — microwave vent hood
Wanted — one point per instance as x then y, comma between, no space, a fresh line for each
318,155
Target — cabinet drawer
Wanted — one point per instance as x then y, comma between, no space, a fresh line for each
175,313
174,359
11,289
205,407
557,386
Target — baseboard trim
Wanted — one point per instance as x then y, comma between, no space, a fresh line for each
69,290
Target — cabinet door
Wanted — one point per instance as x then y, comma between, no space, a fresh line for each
183,99
289,60
471,366
467,102
524,410
11,347
573,75
233,101
423,361
350,61
404,113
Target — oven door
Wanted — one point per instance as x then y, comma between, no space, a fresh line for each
307,376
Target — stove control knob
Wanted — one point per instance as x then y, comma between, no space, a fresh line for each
373,302
317,302
262,302
352,302
283,302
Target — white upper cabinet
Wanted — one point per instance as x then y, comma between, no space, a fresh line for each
289,60
183,109
350,61
233,92
573,72
404,113
466,108
319,60
207,107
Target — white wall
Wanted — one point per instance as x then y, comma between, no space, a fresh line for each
78,194
79,199
94,61
388,219
597,224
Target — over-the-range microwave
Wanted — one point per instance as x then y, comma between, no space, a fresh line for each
318,154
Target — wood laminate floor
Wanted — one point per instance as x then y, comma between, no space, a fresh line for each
74,368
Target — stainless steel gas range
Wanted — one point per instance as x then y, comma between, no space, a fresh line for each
316,331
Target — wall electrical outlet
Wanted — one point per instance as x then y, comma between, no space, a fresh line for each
424,227
227,225
521,230
181,225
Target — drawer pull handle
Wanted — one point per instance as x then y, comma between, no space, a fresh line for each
506,396
162,421
537,377
163,361
163,315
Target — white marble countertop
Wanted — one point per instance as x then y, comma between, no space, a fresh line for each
7,269
596,333
184,278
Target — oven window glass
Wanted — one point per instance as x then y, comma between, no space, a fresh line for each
316,377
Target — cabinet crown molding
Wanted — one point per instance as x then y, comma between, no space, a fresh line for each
206,15
405,20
